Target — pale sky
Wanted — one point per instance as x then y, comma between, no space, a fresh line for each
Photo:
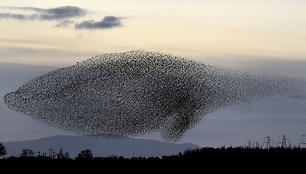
199,29
267,35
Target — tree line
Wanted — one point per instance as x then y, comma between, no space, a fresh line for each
203,154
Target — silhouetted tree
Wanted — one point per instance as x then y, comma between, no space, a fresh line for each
85,154
62,155
2,150
27,153
52,153
67,156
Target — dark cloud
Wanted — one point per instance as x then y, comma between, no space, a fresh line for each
58,13
62,13
13,16
64,23
106,23
28,8
22,8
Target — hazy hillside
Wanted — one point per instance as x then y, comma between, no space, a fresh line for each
102,146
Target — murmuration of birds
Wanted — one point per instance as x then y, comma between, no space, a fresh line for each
139,92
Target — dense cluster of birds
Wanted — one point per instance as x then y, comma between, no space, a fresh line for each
139,92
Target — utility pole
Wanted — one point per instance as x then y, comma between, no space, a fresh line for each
268,142
50,153
284,143
256,145
249,144
303,141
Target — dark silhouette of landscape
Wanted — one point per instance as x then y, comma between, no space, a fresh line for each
206,156
221,154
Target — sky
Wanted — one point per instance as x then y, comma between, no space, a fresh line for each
211,30
263,35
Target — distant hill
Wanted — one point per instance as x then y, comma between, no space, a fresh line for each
100,146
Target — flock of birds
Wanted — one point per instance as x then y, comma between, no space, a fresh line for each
139,92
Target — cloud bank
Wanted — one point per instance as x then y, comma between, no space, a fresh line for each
63,15
106,23
14,16
64,23
22,8
58,13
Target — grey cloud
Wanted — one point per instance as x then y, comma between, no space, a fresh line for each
23,8
106,23
62,13
58,13
13,16
29,8
64,23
